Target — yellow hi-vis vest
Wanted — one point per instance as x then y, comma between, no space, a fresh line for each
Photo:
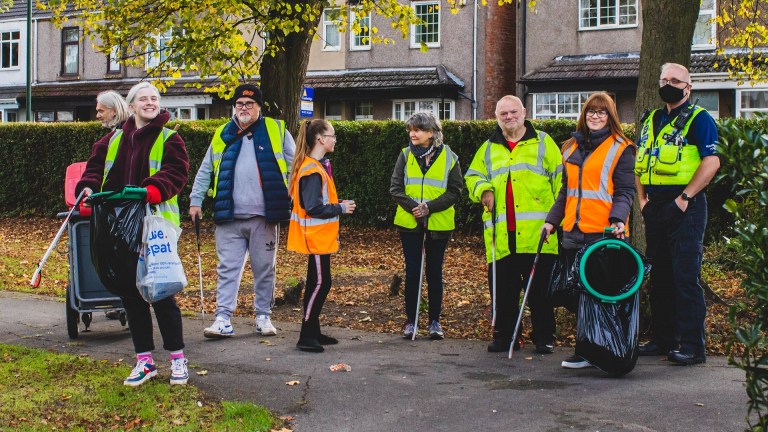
665,157
276,133
168,209
535,169
426,187
306,234
589,196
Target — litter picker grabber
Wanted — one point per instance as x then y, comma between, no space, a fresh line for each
421,278
527,290
199,263
37,275
493,268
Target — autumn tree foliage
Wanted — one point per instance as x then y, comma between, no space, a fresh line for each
227,41
743,33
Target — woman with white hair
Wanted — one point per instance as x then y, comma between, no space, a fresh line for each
111,109
130,156
426,184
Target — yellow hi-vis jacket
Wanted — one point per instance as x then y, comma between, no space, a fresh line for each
168,209
535,169
426,187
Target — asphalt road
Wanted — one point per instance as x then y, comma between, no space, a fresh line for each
399,385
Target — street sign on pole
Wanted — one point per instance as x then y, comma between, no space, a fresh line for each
307,108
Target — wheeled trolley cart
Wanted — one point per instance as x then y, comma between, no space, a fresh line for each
85,292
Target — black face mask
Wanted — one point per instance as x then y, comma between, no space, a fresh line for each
671,94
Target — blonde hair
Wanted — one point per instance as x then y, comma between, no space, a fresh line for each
135,89
309,130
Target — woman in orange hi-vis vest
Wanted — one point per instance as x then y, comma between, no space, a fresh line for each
314,226
598,184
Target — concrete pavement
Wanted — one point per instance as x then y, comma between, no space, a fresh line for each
399,385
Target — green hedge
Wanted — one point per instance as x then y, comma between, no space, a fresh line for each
36,156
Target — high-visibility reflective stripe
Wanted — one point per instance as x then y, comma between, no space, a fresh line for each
154,165
313,221
471,172
427,181
499,219
537,169
530,215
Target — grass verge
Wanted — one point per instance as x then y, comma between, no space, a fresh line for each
47,391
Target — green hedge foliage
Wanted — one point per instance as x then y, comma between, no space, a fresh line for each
36,156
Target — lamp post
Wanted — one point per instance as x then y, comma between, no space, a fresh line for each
29,60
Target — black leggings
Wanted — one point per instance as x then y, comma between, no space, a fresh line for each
317,288
139,317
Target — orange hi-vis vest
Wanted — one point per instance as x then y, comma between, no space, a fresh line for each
310,235
590,187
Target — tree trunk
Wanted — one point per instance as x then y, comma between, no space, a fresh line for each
282,76
668,27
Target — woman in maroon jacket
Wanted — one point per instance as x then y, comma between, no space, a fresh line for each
131,167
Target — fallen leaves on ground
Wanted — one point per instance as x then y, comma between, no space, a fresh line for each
363,272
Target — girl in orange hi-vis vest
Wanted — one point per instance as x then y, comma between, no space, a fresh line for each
598,185
314,226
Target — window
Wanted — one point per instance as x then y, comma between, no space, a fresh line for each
403,109
601,14
709,100
163,51
181,113
361,40
333,110
428,32
113,60
704,33
51,116
750,102
558,105
331,39
11,116
9,49
70,50
364,110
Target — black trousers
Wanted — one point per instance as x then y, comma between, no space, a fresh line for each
512,273
434,254
675,247
139,317
315,292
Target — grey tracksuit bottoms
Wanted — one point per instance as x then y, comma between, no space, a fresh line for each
233,240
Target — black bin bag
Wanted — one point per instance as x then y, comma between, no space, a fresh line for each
116,225
610,273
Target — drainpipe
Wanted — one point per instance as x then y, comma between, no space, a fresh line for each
474,62
29,60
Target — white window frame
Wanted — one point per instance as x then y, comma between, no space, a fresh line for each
707,17
535,114
367,117
153,59
113,61
11,43
421,3
355,40
327,24
419,105
616,11
748,112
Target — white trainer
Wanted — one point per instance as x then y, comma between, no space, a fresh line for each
264,326
221,328
179,371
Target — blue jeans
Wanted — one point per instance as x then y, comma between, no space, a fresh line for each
434,254
675,246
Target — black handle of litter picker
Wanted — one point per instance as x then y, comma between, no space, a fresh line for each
197,230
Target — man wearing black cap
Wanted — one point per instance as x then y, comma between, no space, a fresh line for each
245,171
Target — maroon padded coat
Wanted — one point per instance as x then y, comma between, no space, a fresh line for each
131,165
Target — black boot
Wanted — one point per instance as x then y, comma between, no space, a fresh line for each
308,342
501,342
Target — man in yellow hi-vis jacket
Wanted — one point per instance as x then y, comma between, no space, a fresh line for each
516,175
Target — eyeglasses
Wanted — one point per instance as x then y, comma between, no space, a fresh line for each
246,105
329,136
597,113
674,81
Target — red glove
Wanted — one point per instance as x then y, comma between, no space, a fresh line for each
153,194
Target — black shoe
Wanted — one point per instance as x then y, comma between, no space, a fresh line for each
327,340
544,348
310,345
684,358
650,349
575,362
501,346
